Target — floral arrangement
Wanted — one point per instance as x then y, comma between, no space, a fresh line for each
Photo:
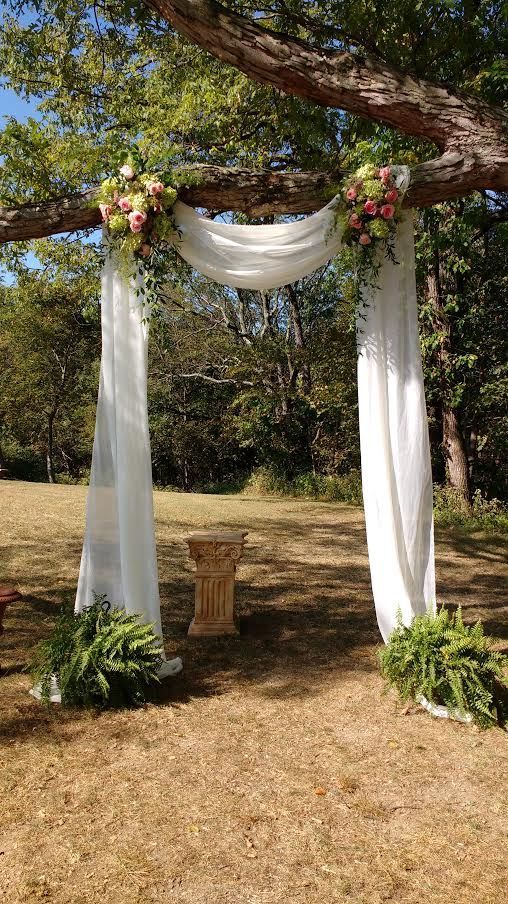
136,207
371,207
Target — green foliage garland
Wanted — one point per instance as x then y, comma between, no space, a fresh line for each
101,657
449,663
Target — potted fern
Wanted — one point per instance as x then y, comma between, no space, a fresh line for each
99,657
443,662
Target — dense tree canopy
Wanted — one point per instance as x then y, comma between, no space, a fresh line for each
265,380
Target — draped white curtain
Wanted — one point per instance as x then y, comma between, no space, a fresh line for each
119,556
394,442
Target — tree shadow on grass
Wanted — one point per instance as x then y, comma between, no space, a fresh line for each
472,573
305,611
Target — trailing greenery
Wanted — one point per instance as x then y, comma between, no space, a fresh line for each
101,657
449,663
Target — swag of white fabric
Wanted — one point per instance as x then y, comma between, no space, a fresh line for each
119,554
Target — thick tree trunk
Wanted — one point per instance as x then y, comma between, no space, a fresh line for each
453,442
296,320
456,122
457,466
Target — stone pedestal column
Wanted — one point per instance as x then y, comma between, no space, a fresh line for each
216,554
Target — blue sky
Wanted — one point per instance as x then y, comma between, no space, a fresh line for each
12,105
20,109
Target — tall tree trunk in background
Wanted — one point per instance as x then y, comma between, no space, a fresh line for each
185,460
453,443
3,464
50,467
457,465
296,320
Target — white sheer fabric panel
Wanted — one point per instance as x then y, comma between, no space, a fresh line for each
394,439
256,257
119,557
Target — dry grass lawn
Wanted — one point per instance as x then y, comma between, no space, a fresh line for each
273,770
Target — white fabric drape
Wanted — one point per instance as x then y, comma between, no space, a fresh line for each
119,557
394,441
119,550
256,257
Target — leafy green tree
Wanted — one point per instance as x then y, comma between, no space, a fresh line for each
464,318
271,378
50,339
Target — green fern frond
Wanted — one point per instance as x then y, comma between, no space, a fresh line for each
102,656
448,662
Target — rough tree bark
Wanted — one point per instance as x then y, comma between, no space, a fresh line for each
256,193
457,466
467,130
453,441
471,134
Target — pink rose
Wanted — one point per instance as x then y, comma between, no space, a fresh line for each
351,194
155,188
145,250
387,211
364,239
127,171
137,216
391,195
370,207
384,174
124,204
354,221
105,210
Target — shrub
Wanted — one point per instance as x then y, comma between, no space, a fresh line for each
324,488
72,480
449,663
484,514
102,656
22,462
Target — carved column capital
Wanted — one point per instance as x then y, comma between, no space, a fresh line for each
216,554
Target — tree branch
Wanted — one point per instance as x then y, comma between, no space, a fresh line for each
255,193
362,84
217,188
472,134
215,380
